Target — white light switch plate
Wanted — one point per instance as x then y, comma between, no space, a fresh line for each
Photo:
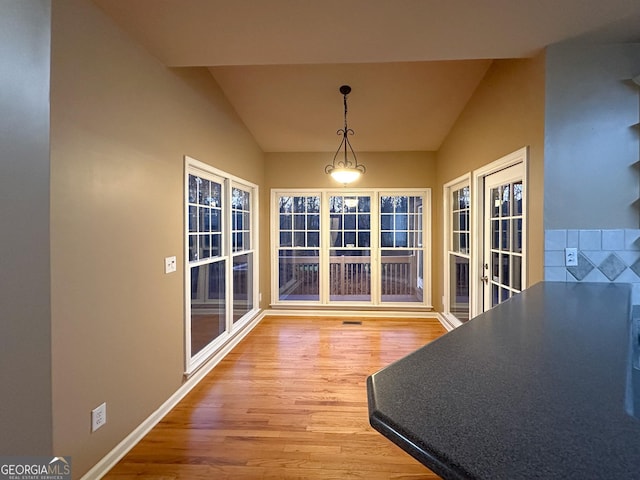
170,264
98,417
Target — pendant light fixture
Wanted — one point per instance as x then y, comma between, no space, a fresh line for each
342,168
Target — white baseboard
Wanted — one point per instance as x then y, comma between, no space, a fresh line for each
444,321
114,456
350,313
449,321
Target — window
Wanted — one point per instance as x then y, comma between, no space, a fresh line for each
401,248
350,247
457,249
298,251
220,271
207,266
243,298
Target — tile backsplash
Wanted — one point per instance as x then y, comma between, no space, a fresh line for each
603,255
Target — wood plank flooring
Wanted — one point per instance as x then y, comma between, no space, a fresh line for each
289,402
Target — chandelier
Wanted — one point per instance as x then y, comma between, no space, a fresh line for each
342,168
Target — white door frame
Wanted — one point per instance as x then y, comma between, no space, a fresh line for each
477,222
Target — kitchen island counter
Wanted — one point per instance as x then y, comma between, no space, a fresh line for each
541,386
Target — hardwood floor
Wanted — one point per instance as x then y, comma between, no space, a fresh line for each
289,402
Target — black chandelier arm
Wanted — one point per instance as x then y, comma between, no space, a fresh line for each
345,145
331,167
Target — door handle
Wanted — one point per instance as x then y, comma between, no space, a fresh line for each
485,278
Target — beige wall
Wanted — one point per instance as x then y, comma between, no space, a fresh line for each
384,170
505,113
120,125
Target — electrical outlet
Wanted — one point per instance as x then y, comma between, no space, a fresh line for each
170,264
571,257
98,417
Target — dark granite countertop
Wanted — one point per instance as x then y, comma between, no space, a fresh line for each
542,386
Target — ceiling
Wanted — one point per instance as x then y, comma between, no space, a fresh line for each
412,64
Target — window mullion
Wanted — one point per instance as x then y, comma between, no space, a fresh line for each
375,248
325,245
227,254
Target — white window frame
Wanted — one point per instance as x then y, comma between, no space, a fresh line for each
375,247
325,233
448,188
252,250
195,167
274,223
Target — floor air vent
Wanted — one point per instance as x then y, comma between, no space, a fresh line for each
351,322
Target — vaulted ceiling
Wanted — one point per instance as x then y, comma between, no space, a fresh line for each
412,64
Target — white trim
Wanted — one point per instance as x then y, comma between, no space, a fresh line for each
449,321
208,170
360,314
274,312
477,203
346,307
519,156
119,451
427,220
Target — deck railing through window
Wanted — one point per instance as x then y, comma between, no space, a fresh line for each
299,276
350,275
